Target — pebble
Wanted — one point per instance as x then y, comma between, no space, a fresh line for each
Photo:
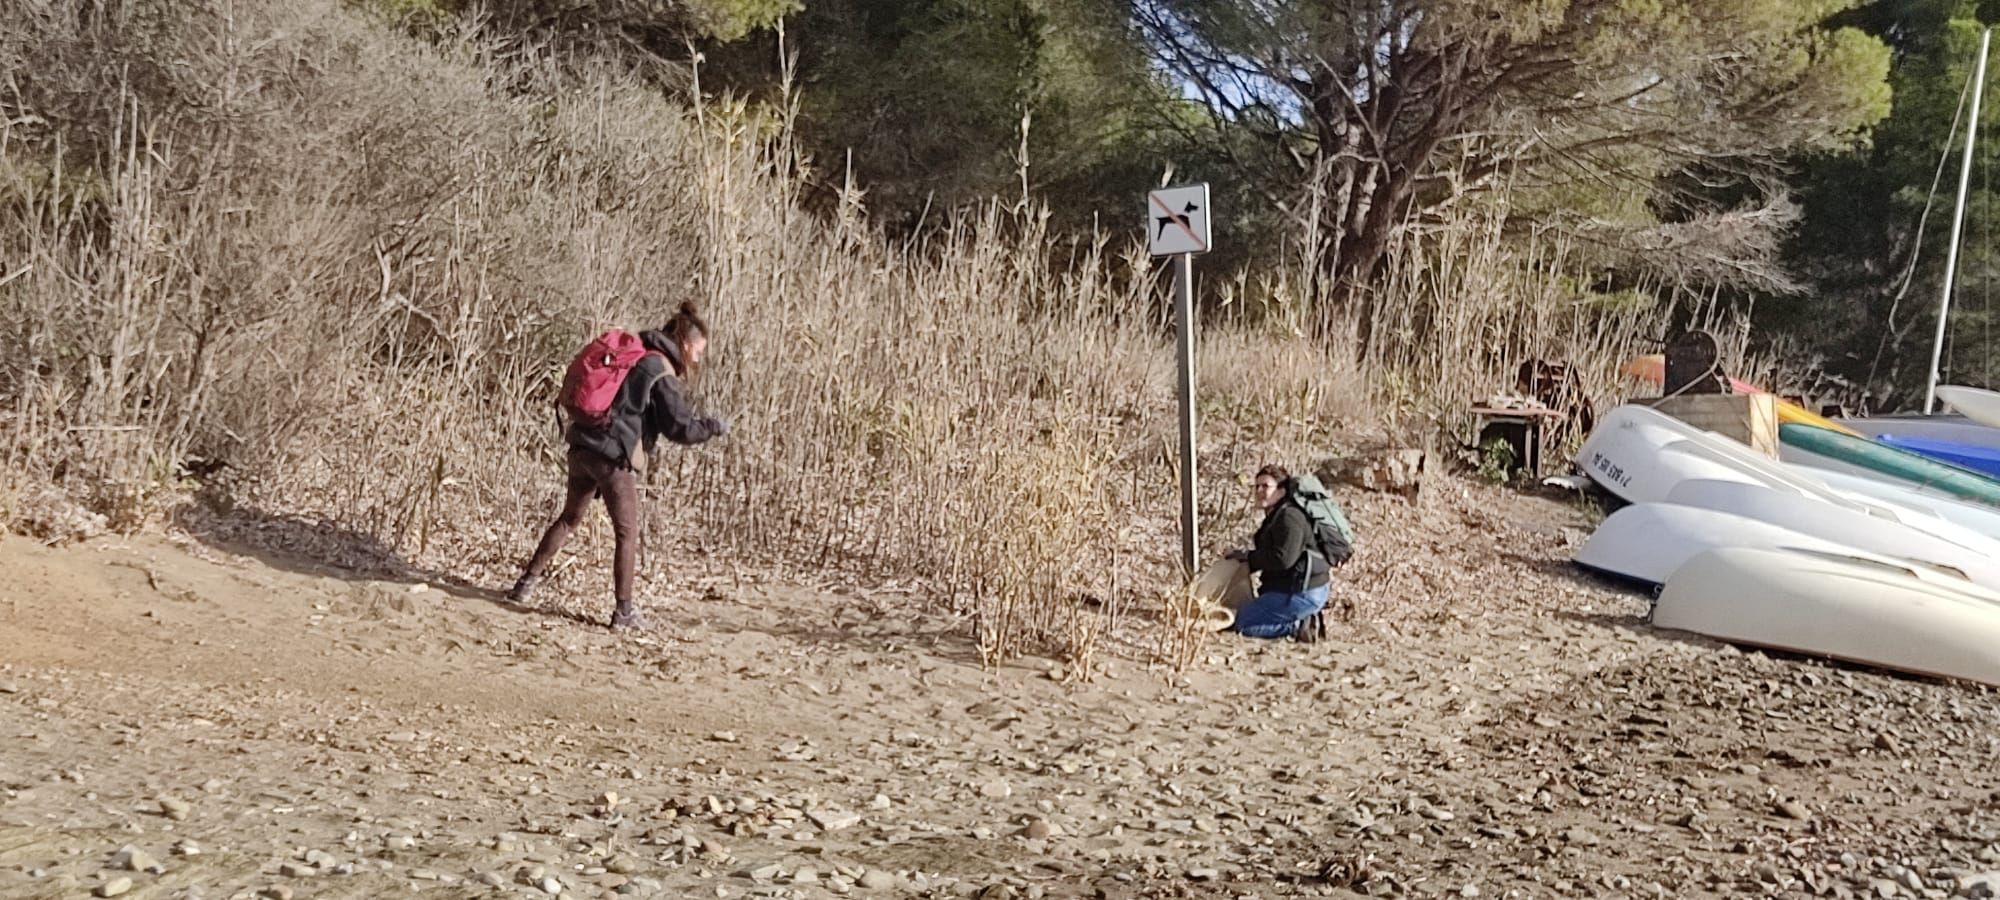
1038,830
114,887
279,892
1792,809
997,789
133,859
833,821
806,875
296,870
492,879
187,848
877,880
175,808
1203,873
551,886
530,875
621,865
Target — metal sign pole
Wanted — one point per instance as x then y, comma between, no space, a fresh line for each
1184,313
1177,225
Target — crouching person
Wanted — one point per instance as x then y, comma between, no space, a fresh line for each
1292,572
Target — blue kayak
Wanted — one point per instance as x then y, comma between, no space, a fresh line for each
1971,456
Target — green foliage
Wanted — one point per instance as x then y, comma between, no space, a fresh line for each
1496,461
1614,118
935,97
1870,213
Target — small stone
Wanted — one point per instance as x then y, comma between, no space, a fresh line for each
806,875
609,800
723,737
1792,809
1883,887
530,875
492,879
1204,873
400,737
998,789
551,886
1912,880
114,887
621,865
1886,742
880,802
8,687
1038,830
280,892
296,870
1470,890
833,821
133,859
878,880
175,808
1581,837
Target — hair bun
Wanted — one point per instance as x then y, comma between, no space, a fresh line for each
687,308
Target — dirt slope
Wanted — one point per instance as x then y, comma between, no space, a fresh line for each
1521,732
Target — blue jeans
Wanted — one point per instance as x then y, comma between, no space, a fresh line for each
1274,614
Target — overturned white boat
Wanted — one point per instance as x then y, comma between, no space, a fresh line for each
1978,404
1910,534
1901,495
1861,609
1648,542
1638,455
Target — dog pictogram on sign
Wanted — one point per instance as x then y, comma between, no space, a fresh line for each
1177,220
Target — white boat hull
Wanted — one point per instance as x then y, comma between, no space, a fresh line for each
1648,542
1980,406
1860,610
1912,535
1907,495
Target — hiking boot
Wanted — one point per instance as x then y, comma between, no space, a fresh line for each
523,589
627,618
1311,630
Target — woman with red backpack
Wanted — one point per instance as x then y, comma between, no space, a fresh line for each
620,392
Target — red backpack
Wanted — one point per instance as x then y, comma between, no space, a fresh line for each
590,387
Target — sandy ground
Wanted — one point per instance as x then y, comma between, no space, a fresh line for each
183,719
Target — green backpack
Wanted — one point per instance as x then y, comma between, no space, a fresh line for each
1331,530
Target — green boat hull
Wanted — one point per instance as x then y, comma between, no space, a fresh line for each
1903,465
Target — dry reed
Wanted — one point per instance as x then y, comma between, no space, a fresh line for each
329,274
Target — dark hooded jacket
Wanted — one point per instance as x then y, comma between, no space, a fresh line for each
651,403
1281,555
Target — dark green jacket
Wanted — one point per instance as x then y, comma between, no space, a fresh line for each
1280,555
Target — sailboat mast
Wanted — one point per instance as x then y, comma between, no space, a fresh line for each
1957,220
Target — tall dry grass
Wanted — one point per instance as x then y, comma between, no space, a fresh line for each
274,251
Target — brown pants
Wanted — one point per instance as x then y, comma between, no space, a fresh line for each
591,475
